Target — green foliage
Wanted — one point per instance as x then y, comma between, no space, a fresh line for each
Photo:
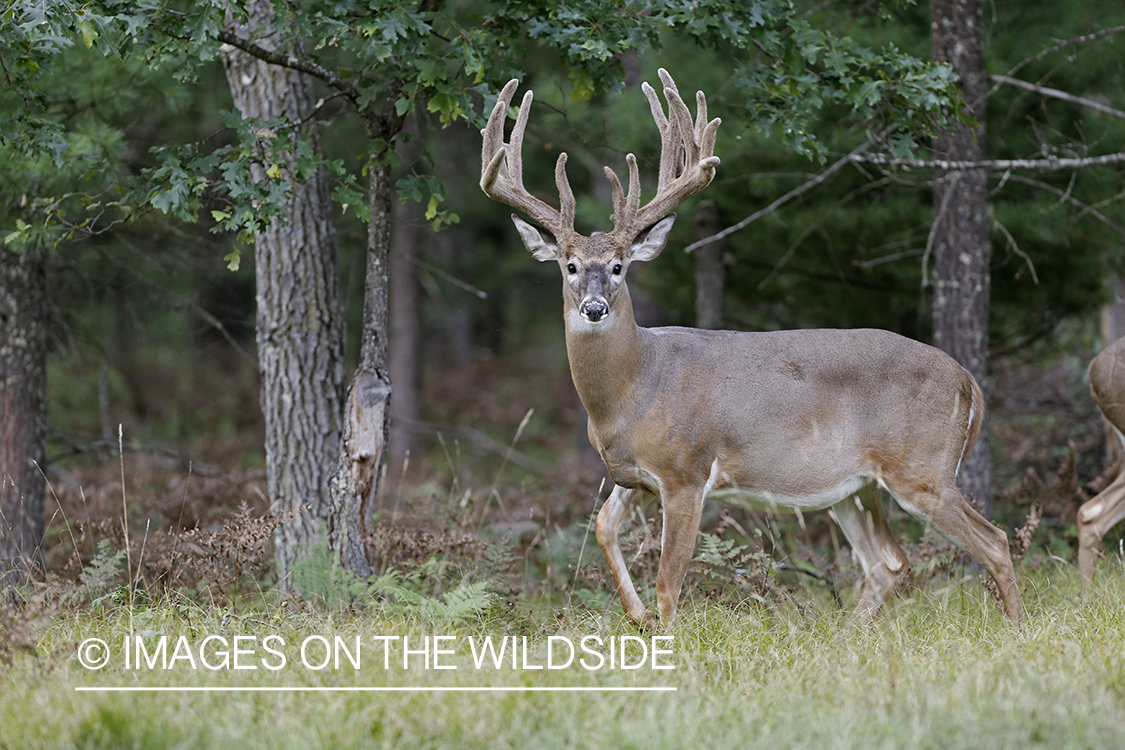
797,71
32,35
100,580
465,601
726,556
70,117
729,567
796,79
395,57
319,577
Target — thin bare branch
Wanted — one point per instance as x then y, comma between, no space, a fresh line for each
796,192
1040,165
930,238
459,283
889,258
1101,34
817,225
1057,94
1016,249
1067,198
287,60
78,445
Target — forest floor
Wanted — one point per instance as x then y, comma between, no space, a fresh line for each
504,459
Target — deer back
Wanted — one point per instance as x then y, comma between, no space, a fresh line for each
789,414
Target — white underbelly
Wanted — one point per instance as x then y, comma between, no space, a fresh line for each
776,502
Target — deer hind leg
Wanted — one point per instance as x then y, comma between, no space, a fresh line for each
1097,516
948,512
619,504
884,563
683,511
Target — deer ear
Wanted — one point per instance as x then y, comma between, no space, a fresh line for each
648,244
540,242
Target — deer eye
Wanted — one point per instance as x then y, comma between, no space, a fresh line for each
570,268
617,269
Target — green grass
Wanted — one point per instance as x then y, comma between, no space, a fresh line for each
938,669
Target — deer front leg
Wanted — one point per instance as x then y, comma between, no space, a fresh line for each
1095,518
683,510
619,504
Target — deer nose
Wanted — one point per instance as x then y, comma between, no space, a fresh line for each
594,310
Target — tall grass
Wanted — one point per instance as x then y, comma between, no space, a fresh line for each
940,668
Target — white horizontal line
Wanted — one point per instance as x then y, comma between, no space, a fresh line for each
136,689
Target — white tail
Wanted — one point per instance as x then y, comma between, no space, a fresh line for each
1107,508
803,420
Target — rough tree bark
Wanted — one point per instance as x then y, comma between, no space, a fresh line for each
362,453
23,388
960,242
301,326
710,271
405,336
340,491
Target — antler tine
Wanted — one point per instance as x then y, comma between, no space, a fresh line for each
687,156
706,132
669,137
625,204
515,167
502,166
684,148
674,146
700,112
618,195
494,131
567,204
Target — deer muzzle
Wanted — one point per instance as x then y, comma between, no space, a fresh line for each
594,309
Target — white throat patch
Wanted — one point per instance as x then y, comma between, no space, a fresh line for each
576,322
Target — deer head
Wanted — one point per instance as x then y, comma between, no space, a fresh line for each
594,267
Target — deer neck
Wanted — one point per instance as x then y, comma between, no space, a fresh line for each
605,360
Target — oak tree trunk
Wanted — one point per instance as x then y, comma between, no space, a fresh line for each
961,249
301,326
363,450
23,388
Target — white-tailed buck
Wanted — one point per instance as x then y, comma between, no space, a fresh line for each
1100,513
805,419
